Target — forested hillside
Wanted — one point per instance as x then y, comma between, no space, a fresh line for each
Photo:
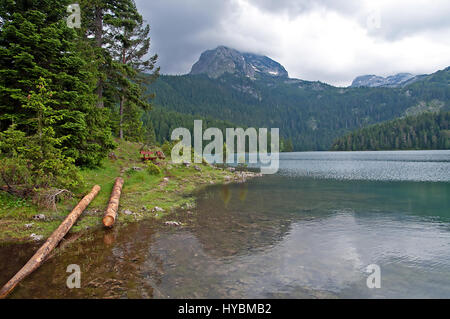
164,122
428,131
310,114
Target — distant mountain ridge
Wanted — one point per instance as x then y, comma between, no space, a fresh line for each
250,90
222,60
393,81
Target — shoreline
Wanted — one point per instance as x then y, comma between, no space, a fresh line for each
144,196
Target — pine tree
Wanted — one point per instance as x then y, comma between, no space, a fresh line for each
33,162
128,42
35,42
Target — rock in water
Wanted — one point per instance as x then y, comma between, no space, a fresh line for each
172,223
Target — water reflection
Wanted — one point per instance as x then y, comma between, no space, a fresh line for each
110,261
279,236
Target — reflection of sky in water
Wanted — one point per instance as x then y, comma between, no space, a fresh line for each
323,258
335,229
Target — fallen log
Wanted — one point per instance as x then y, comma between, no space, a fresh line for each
113,205
42,254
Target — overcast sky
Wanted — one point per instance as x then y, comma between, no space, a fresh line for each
332,41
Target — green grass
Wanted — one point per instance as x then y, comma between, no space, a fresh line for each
141,193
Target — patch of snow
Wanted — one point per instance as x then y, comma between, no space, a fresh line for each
255,68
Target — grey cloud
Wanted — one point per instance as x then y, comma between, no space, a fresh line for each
297,7
182,29
178,29
397,19
398,22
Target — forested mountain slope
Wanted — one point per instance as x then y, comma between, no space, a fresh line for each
310,114
425,131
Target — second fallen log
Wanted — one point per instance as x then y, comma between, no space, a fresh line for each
113,205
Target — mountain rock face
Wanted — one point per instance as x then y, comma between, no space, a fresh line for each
222,60
397,80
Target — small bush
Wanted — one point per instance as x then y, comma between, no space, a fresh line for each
205,162
153,169
130,172
9,201
167,148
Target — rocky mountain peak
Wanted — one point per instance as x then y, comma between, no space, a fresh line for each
222,60
397,80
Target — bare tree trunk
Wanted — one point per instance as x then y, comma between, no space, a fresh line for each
99,26
122,98
99,43
100,103
43,253
113,206
122,102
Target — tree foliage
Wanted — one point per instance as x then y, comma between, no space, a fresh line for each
31,162
54,115
430,131
35,42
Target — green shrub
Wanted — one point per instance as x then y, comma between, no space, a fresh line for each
8,201
153,169
36,161
130,172
167,148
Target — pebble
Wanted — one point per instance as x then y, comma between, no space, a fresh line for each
172,223
187,164
36,237
39,217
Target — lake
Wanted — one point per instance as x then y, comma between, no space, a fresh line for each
309,231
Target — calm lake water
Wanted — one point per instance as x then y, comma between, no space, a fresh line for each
308,232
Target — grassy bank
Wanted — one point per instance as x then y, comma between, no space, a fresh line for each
142,192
